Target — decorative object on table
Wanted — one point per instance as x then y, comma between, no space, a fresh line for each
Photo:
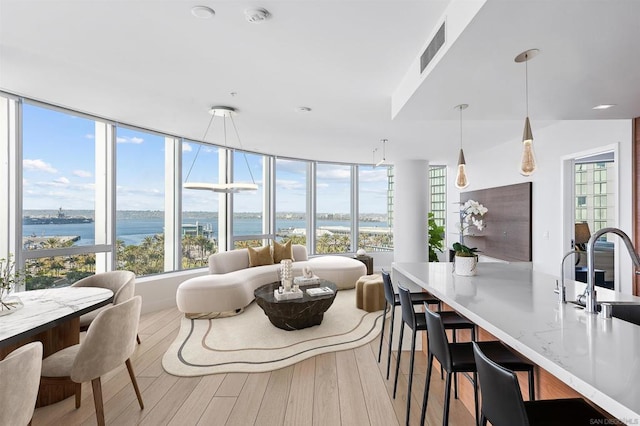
361,252
286,274
461,181
367,260
280,295
307,277
465,260
10,277
528,160
436,238
471,214
319,291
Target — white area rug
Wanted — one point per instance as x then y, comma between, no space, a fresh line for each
250,343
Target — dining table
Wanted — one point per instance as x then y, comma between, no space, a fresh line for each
51,316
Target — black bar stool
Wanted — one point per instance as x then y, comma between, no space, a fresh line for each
416,321
458,358
392,300
502,402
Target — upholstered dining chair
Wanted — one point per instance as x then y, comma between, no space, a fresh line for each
110,342
122,283
19,383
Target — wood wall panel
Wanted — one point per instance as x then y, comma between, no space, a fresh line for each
508,222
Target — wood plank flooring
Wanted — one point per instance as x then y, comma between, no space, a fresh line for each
340,388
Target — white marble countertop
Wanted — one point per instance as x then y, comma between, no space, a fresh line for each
44,309
599,358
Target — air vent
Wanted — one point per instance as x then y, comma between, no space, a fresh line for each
432,49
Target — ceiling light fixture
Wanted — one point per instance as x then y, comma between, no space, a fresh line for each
461,175
202,12
227,187
528,161
384,153
256,16
604,106
303,109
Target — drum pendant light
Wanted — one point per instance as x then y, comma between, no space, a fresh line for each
461,175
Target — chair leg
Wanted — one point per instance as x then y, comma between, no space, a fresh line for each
425,397
391,324
532,387
483,420
455,375
384,318
447,398
475,396
134,382
78,394
411,362
138,338
97,400
395,382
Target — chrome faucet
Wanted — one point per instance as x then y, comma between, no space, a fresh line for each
562,290
590,291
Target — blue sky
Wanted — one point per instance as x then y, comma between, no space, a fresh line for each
59,171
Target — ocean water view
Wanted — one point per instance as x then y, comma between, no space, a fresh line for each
132,230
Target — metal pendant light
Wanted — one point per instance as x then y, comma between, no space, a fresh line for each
461,175
384,153
232,187
528,160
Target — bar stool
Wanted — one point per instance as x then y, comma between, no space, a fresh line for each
416,321
458,358
392,300
502,402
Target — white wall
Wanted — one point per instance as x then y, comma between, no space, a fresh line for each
499,166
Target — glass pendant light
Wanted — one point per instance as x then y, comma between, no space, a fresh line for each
528,160
461,175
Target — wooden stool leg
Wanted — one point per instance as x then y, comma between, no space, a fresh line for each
97,400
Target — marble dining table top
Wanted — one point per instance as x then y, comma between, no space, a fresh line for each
47,308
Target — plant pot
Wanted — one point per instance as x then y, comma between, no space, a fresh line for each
465,266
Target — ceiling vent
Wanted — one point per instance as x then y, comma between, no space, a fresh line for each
432,49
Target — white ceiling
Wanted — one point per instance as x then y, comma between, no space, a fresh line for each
152,64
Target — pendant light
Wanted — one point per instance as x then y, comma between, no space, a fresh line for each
461,175
233,187
528,160
384,153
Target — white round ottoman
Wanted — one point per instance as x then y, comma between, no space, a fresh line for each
340,270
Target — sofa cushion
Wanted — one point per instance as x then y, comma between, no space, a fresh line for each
282,251
260,256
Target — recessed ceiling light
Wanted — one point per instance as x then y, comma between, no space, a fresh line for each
255,16
604,106
202,12
303,109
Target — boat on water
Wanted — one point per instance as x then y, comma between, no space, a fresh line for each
60,219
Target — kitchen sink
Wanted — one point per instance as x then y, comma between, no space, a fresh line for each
626,311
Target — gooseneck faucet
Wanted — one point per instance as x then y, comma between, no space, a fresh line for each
591,301
562,290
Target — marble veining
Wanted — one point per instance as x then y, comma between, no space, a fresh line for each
44,306
599,358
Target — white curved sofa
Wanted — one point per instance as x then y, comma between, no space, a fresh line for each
230,283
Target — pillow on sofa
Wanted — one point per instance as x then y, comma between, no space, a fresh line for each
282,251
260,256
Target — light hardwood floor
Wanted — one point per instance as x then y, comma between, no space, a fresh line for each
339,388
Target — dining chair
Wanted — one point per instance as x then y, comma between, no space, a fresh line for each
19,384
122,283
502,402
392,299
416,322
457,358
110,342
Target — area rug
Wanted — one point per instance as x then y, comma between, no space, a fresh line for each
249,343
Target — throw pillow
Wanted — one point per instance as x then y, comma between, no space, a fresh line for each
260,256
282,251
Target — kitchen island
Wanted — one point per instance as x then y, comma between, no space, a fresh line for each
599,358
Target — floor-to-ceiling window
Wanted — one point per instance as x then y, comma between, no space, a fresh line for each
374,230
333,208
199,228
250,227
140,201
291,200
58,196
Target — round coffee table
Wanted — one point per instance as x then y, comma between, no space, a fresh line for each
295,314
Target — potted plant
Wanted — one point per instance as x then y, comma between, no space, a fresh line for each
9,278
465,260
436,238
